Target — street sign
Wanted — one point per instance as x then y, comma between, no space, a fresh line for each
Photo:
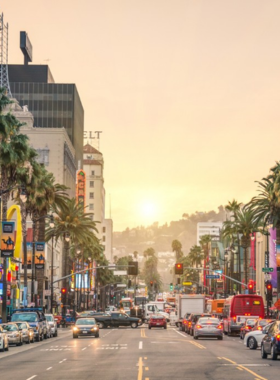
267,269
120,272
219,271
212,276
187,283
121,285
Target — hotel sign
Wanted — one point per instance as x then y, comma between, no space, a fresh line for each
81,187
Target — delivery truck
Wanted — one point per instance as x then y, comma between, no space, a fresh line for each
188,303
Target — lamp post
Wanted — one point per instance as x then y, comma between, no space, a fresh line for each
225,260
34,221
4,296
67,238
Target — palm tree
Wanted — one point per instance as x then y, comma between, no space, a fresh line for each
177,248
195,255
233,207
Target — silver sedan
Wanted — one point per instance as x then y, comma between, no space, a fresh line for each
13,332
208,327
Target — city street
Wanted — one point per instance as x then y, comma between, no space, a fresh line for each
139,354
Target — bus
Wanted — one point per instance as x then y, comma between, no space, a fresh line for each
217,307
239,308
126,304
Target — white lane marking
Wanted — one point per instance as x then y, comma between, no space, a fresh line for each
32,377
140,345
62,361
84,348
49,368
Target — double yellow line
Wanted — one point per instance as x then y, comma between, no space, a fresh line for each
143,334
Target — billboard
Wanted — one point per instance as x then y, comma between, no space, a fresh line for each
40,255
25,46
81,187
8,239
272,256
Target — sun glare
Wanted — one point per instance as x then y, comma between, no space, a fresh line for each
148,211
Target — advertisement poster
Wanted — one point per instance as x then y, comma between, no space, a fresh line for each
272,256
8,239
40,255
81,187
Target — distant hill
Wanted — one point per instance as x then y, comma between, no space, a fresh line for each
160,237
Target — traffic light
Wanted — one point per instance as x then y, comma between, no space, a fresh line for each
179,268
251,288
132,269
63,295
269,291
151,283
171,286
63,291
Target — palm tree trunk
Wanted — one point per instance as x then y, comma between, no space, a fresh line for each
278,269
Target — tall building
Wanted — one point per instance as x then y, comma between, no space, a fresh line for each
209,228
93,165
53,105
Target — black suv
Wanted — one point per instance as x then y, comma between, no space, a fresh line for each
193,319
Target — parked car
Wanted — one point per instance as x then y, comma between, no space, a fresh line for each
35,317
193,319
4,342
157,320
85,327
13,332
52,324
58,319
246,327
27,332
208,328
270,344
254,338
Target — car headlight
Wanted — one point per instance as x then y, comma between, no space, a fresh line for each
75,328
94,328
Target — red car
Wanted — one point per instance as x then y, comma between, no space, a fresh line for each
157,320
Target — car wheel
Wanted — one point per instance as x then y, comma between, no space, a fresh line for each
97,335
225,332
55,334
191,333
28,341
7,347
240,336
38,338
2,349
46,336
101,325
263,353
274,353
252,343
149,327
165,327
195,337
134,325
42,337
220,338
75,336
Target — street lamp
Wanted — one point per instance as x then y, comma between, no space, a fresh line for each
34,221
22,194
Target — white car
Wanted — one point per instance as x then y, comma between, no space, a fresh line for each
254,338
4,343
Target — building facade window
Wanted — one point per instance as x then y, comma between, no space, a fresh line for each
91,183
104,238
104,230
91,195
92,172
91,206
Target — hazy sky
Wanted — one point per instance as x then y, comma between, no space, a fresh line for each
186,93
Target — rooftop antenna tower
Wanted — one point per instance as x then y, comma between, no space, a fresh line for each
4,45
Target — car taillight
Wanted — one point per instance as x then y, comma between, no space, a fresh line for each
249,327
190,323
278,337
198,326
220,327
259,328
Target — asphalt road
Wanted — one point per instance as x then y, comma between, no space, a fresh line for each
136,354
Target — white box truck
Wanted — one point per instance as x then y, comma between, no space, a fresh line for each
188,303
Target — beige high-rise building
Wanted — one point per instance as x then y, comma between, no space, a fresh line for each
93,165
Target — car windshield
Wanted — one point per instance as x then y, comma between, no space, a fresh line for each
10,327
83,321
21,325
49,318
250,322
264,322
26,317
